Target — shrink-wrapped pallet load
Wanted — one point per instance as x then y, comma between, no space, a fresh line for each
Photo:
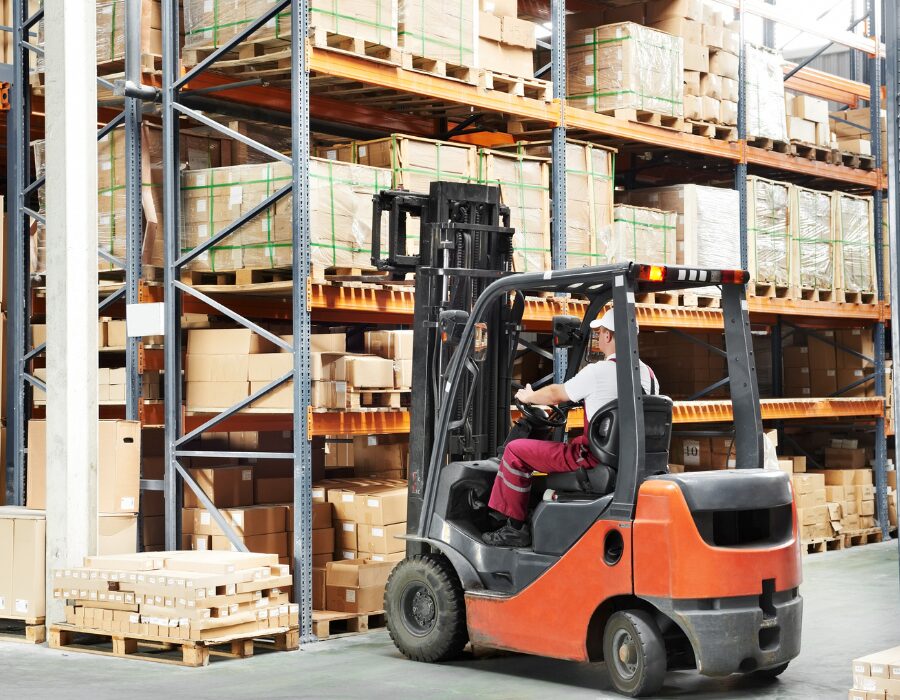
768,229
765,94
340,214
813,234
589,198
643,235
625,66
444,31
855,243
524,183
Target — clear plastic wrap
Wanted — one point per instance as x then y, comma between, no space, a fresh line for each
524,184
814,234
626,65
769,220
765,94
642,235
212,23
708,224
856,243
340,214
445,30
589,198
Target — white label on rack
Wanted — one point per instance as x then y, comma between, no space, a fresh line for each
589,61
691,453
238,519
127,503
201,206
372,502
349,527
347,497
247,475
264,224
201,544
361,152
208,5
2,603
204,518
105,165
372,440
331,154
377,532
589,80
202,231
351,595
21,605
235,195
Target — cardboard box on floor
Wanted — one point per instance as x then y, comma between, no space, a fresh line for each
22,573
118,468
356,585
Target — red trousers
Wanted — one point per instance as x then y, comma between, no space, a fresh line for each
512,486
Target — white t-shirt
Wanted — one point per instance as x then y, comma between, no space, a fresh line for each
596,385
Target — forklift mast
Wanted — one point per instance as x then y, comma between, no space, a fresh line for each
464,244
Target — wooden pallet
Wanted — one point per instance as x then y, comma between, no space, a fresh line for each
700,301
642,116
771,291
330,624
854,160
856,538
244,276
657,298
811,151
440,68
377,398
534,88
816,546
324,39
768,144
812,294
29,630
169,651
848,297
721,132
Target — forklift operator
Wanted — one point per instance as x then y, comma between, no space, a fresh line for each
596,385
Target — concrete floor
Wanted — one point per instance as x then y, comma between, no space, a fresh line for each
851,608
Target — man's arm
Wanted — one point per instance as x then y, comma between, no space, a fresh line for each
551,395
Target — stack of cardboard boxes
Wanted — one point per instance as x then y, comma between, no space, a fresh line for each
852,128
506,43
118,480
639,233
768,222
369,515
876,676
819,369
396,346
625,66
807,119
181,595
682,366
22,575
710,57
448,35
855,244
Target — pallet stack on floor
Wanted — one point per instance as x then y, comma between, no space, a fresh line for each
876,676
22,574
191,602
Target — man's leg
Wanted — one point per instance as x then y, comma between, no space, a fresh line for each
512,487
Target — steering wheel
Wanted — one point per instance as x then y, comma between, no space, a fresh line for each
538,416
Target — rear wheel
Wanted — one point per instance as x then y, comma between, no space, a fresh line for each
425,609
635,653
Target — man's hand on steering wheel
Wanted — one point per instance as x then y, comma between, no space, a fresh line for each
526,394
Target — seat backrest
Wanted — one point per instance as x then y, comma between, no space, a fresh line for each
603,431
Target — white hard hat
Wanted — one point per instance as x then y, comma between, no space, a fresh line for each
608,322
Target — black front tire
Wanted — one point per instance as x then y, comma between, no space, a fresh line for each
635,653
425,609
771,673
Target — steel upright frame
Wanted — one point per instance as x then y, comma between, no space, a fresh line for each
177,440
23,189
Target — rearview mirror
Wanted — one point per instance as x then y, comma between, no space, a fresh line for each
566,331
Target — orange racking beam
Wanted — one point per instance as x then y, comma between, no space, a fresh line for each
827,86
796,164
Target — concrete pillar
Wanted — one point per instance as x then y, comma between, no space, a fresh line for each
72,413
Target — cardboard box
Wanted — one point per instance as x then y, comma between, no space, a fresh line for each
365,371
795,357
811,500
823,382
22,549
226,341
839,458
723,63
345,535
834,493
394,345
801,130
271,543
227,487
657,10
382,539
116,534
318,588
821,354
118,466
860,340
518,32
382,507
807,483
696,58
273,490
810,108
866,508
252,520
356,585
116,336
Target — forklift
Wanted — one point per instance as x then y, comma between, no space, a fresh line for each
645,570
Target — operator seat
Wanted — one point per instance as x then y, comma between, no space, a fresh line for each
603,439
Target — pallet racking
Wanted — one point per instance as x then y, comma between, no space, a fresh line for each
426,105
